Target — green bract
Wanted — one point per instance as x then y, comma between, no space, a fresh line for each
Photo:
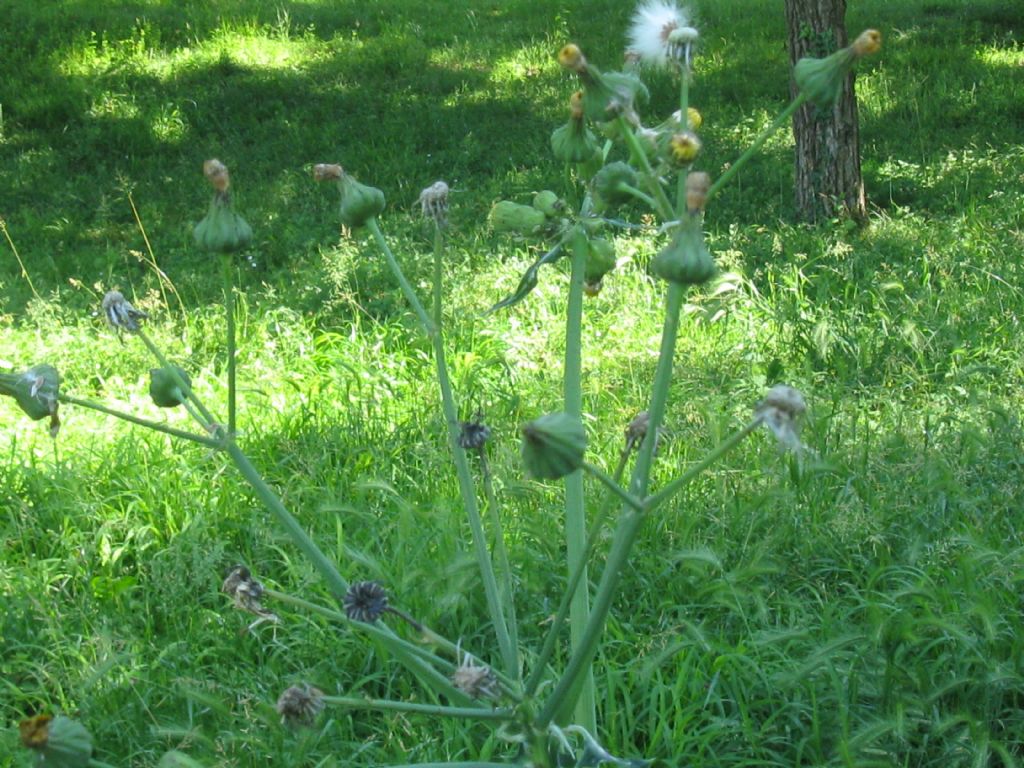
611,184
359,202
553,445
600,260
548,203
35,391
507,216
686,259
164,388
608,95
574,142
67,745
822,79
222,230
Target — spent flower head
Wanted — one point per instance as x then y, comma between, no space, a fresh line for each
365,601
300,704
782,411
120,313
661,33
473,434
477,682
434,203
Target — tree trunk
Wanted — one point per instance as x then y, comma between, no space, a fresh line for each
828,178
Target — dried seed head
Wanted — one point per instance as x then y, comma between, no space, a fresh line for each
217,174
245,591
781,411
120,314
474,434
300,704
365,601
327,172
476,682
434,202
637,429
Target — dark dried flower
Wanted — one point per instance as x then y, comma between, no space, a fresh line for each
365,601
300,704
120,314
476,682
474,434
246,592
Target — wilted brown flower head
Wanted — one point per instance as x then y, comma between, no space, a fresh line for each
300,704
434,202
476,682
217,174
327,172
365,601
781,411
121,314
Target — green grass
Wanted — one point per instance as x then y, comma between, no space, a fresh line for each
862,611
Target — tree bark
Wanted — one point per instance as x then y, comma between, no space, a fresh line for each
828,176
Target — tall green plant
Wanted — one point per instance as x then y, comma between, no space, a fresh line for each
549,716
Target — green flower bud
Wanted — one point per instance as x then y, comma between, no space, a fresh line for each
507,216
554,445
35,390
164,388
547,202
686,259
611,182
60,741
611,94
821,80
221,230
574,142
600,260
359,202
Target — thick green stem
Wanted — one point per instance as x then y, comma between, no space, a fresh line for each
575,511
508,651
229,309
555,629
209,442
335,582
500,550
656,499
610,483
757,144
662,205
472,713
641,196
563,696
684,123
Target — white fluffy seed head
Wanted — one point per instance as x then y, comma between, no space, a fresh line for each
659,31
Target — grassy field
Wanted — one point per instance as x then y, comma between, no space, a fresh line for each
863,611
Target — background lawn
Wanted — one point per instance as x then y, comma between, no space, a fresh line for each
865,610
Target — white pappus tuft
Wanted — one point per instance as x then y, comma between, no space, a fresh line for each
661,33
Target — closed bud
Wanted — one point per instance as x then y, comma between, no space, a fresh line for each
600,261
821,80
164,389
686,260
359,202
548,203
574,142
612,182
571,57
222,230
507,216
609,95
697,185
554,445
59,741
